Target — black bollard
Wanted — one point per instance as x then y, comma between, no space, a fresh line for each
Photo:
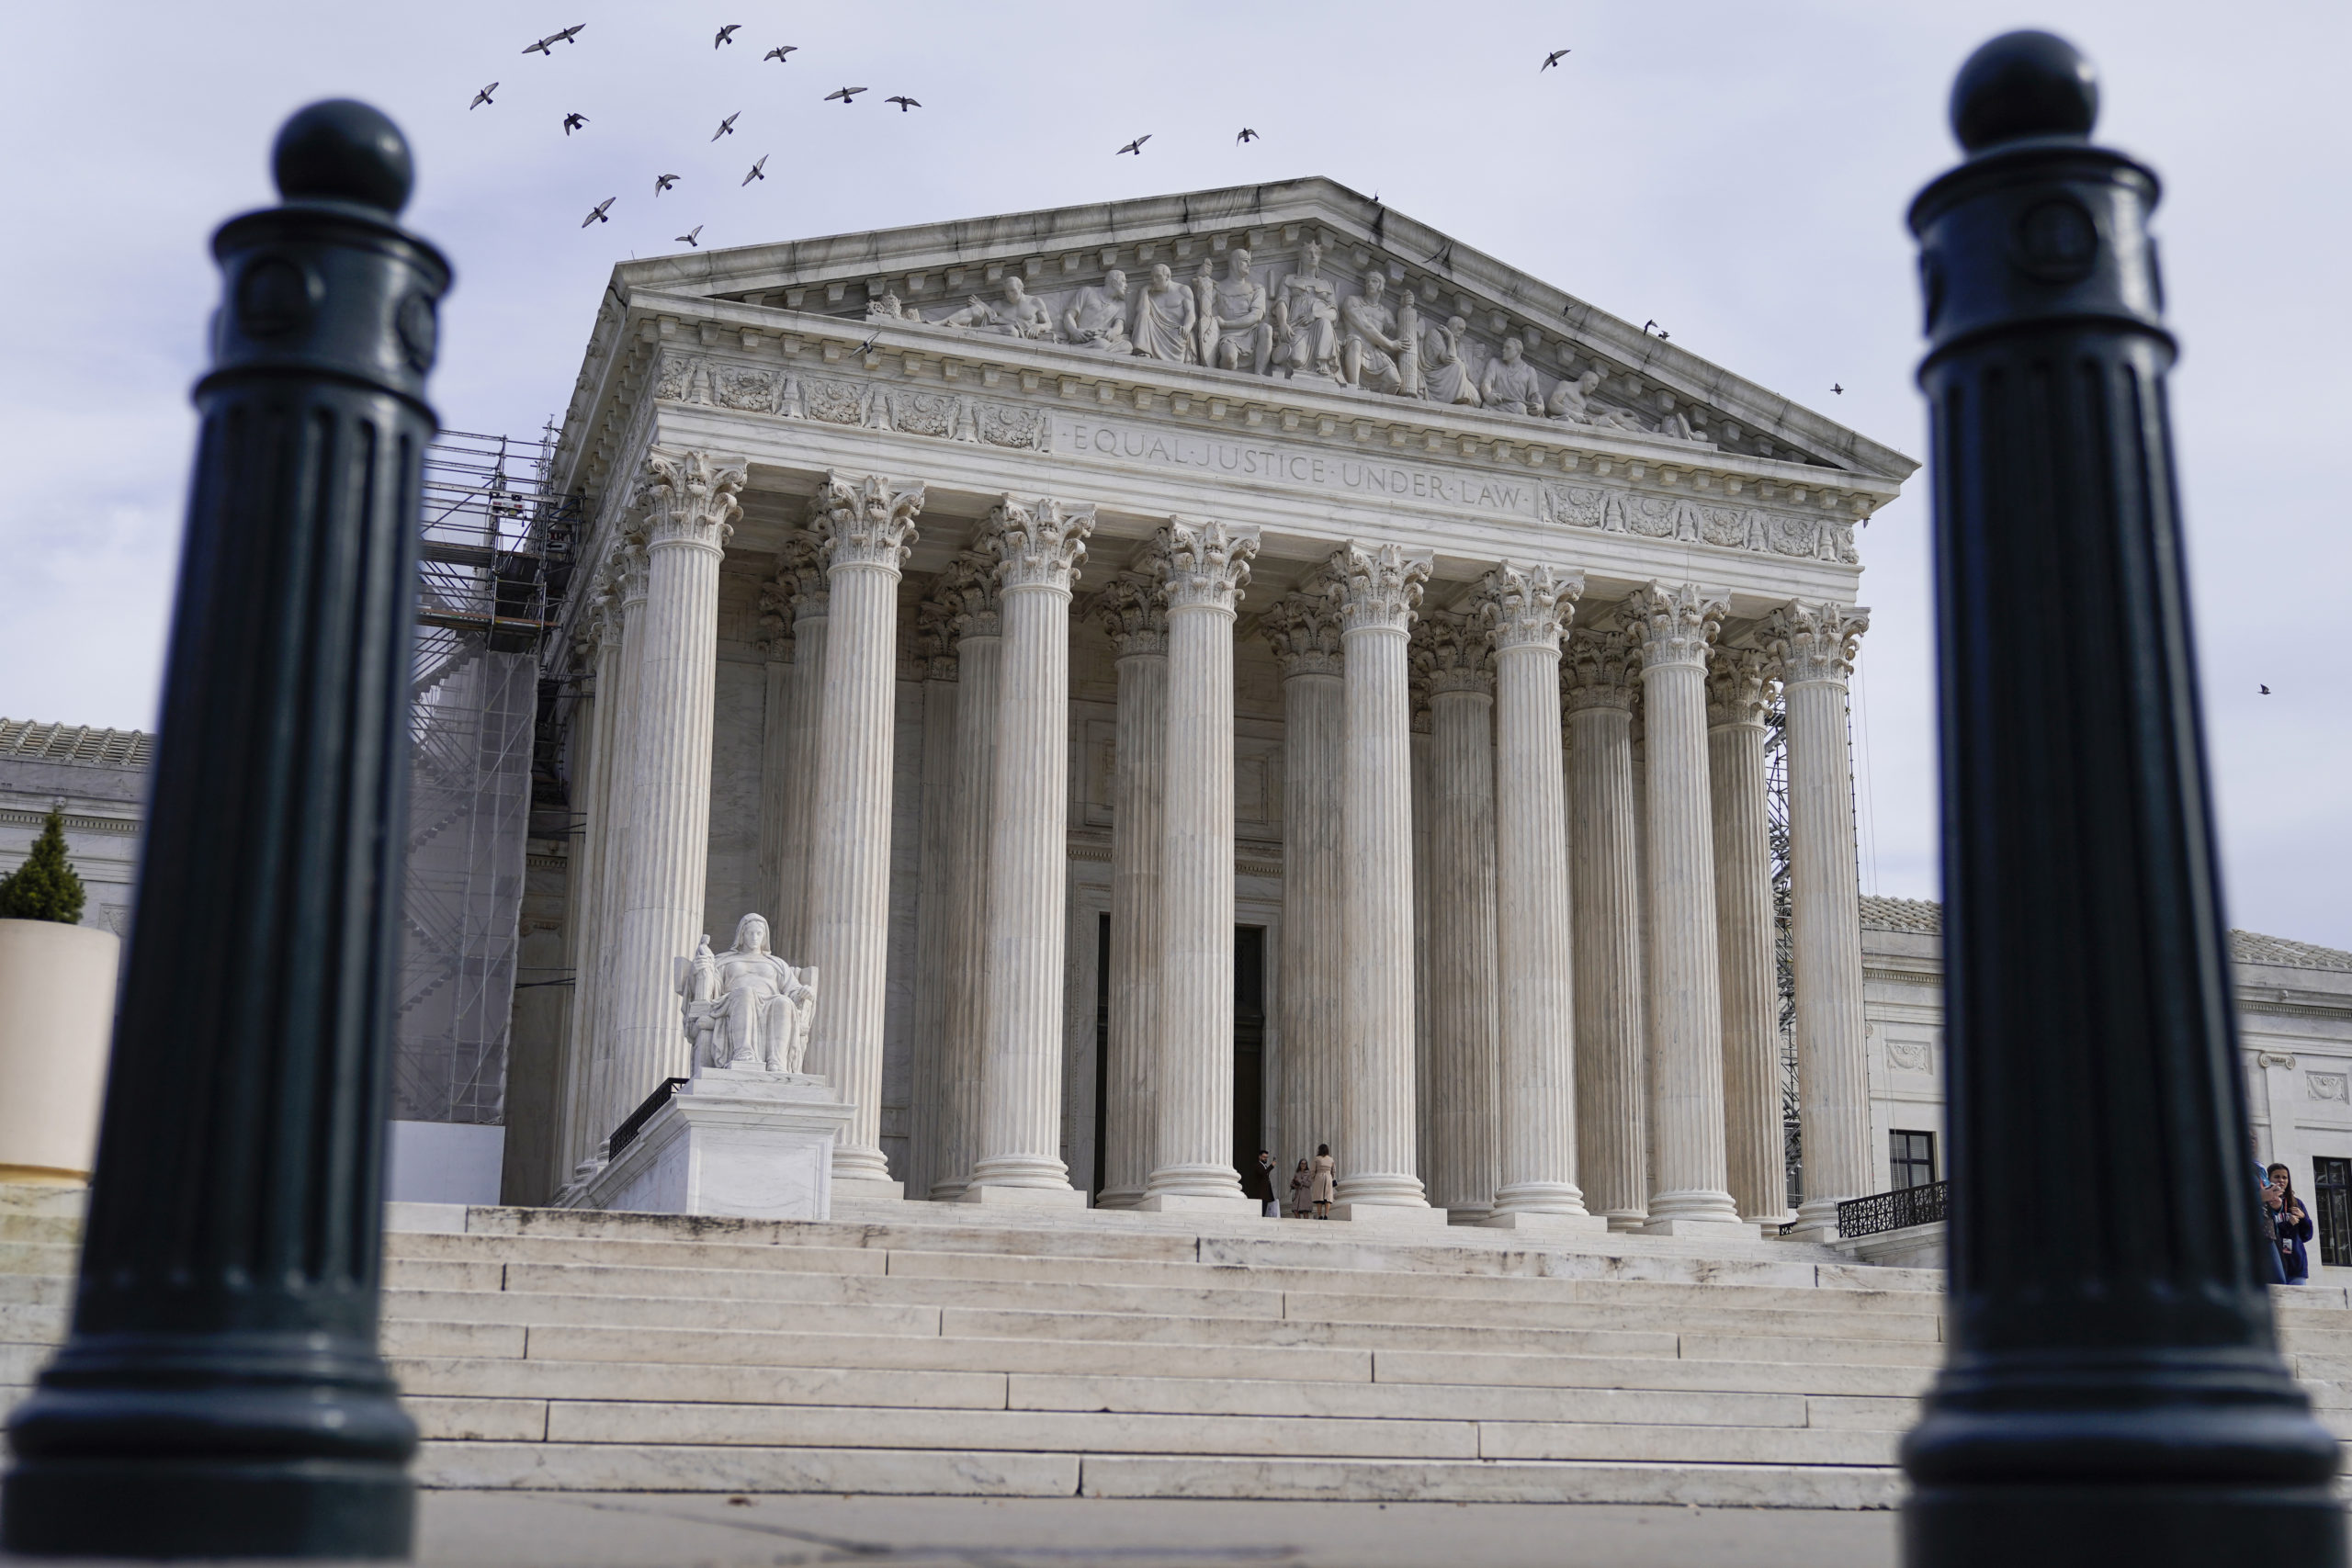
2113,1391
221,1394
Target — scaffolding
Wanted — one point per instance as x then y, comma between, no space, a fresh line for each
494,547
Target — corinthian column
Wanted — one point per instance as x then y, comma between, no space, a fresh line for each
692,509
1738,688
1379,589
1208,566
1135,615
1814,643
1304,627
968,590
1038,546
596,721
1452,655
627,719
773,645
800,577
935,649
1530,607
1686,1085
1604,870
867,524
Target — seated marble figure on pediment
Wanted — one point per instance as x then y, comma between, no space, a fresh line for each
745,1007
1372,345
1018,314
1165,318
1234,331
1444,368
1511,384
1306,321
1573,401
1097,319
889,308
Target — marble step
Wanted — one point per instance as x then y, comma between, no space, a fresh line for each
638,1467
57,1259
18,1224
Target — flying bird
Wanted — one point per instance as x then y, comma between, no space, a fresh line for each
867,346
727,126
904,102
1135,147
1662,333
573,122
1246,135
2266,690
1836,389
484,97
569,35
663,182
846,95
688,237
596,214
1553,59
757,172
726,34
778,52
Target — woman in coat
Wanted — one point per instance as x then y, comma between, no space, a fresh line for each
1302,1182
1323,1168
2291,1224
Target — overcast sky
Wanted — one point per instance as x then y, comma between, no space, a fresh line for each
1737,171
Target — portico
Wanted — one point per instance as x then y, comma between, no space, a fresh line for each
988,631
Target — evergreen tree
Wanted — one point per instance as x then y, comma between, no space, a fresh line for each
44,888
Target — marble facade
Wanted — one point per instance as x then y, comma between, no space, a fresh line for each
1254,559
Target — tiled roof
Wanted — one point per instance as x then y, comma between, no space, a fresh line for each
82,744
1925,918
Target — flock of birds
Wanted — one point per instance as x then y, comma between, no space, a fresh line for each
782,54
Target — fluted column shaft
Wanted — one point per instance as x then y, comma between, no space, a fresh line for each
1135,614
668,820
1686,1087
626,718
867,526
775,646
1737,689
1537,984
1207,567
1815,643
577,1134
1304,629
941,691
1463,1154
1378,1115
1038,546
802,579
970,590
1604,868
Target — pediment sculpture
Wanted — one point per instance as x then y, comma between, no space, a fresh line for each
746,1008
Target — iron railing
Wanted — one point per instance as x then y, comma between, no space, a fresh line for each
1898,1210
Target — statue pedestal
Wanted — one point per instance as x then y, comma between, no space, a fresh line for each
731,1141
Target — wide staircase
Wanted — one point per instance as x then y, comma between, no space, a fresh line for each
965,1352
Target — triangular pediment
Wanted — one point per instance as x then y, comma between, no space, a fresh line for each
957,279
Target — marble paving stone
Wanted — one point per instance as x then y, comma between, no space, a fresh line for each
419,1337
699,1468
1730,1318
1710,1485
1877,1415
534,1379
1879,1352
1153,1329
652,1311
474,1419
1572,1371
1628,1442
884,1350
1423,1401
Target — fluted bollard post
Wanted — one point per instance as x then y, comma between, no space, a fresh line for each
2113,1393
221,1394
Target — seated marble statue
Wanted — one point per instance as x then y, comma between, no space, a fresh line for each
1165,318
1235,335
1442,366
1511,385
889,308
1306,320
1368,355
1018,314
1097,319
745,1007
1673,421
1572,400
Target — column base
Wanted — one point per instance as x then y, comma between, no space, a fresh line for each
1022,1197
850,1164
1196,1204
1455,1216
865,1190
1118,1197
1537,1222
1390,1216
1719,1230
947,1192
1816,1220
1627,1222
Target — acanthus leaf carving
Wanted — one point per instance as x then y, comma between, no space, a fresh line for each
1676,622
1038,544
1599,669
1304,626
1739,685
692,497
1134,612
1381,585
1815,639
867,522
1449,650
1530,606
1208,561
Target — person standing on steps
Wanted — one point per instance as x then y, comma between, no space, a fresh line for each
1257,1182
1324,1168
2290,1224
1302,1182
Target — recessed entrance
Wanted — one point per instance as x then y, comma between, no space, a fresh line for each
1249,1043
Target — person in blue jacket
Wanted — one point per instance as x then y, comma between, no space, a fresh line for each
2290,1224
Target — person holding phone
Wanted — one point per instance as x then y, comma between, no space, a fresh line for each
2290,1224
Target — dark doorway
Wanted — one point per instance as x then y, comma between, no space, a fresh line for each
1248,1045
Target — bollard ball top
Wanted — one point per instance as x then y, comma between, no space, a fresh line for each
2023,84
345,151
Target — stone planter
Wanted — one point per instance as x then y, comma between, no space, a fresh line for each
56,1026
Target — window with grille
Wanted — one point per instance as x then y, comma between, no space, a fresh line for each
1911,1159
2334,1211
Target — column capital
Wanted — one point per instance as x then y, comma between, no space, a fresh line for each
1675,622
1451,650
1739,687
1814,639
1134,612
691,497
1599,669
969,592
1530,606
1208,563
1038,543
1379,587
1303,626
627,566
866,521
801,576
774,639
935,640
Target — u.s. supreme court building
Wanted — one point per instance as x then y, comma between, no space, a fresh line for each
1220,671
